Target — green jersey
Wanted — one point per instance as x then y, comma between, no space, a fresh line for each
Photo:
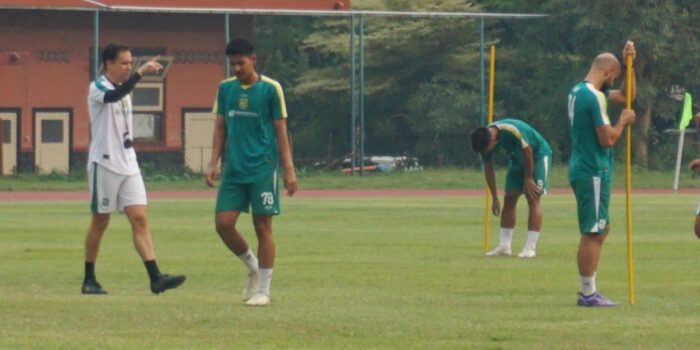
515,135
250,152
588,110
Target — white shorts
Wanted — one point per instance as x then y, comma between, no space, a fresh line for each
110,191
697,211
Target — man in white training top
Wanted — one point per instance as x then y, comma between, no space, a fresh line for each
113,172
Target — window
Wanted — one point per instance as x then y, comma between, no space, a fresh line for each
147,126
6,132
147,102
147,97
51,131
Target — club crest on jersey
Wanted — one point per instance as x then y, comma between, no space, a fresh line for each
243,102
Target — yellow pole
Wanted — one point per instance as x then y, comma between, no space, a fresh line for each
487,208
628,105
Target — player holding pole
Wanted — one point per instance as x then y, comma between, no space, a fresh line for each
590,165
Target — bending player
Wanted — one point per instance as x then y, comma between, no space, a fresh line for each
530,160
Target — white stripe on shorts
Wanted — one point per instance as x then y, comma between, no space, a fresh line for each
545,159
114,192
596,196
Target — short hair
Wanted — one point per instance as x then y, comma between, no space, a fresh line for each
239,46
606,60
480,139
112,50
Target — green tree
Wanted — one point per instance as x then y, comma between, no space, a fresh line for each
422,81
558,50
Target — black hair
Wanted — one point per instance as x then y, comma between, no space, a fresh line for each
239,46
111,51
480,139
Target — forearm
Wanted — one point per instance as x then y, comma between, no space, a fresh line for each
217,144
283,146
122,90
617,132
612,135
609,134
529,162
490,179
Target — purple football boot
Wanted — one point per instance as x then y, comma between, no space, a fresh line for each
594,300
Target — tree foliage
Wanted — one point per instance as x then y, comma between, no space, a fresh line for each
422,76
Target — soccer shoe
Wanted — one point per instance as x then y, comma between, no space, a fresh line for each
499,251
251,286
165,282
594,300
92,287
527,253
258,299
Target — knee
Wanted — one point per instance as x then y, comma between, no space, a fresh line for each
533,202
263,228
99,223
224,226
510,200
508,206
139,221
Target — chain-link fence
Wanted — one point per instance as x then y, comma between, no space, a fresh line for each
407,89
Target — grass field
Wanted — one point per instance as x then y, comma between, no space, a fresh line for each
362,273
431,178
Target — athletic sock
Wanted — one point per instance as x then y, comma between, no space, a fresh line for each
90,271
265,279
250,261
532,237
588,285
152,268
506,237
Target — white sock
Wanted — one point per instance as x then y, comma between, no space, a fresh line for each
588,285
265,279
532,237
250,260
506,237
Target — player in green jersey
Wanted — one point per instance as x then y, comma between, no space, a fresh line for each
251,134
530,161
695,166
590,164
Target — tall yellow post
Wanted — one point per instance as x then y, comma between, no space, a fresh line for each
487,208
628,105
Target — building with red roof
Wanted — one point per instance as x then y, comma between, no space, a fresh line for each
47,59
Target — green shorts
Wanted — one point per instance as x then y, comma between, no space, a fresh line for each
592,201
262,195
516,175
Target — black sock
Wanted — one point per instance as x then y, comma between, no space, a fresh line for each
90,271
152,268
